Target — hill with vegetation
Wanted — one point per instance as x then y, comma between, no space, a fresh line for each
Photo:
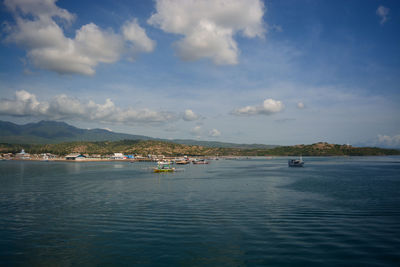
221,144
155,147
53,132
322,149
141,147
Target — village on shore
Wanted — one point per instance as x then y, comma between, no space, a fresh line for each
80,157
135,151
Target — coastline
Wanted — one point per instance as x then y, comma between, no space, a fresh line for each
159,150
267,158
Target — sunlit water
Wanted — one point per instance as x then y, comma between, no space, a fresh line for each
333,212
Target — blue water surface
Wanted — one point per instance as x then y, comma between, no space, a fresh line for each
336,211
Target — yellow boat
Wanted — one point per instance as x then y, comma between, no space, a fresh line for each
164,170
164,167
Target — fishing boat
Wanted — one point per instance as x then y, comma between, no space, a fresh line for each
164,167
296,162
182,162
200,161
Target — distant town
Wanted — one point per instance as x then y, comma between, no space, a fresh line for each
97,157
58,140
149,150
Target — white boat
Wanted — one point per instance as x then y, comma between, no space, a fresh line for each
296,162
182,162
200,161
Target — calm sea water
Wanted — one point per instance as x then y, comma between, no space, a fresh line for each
333,212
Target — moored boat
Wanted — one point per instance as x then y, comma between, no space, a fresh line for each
296,162
182,162
200,161
164,167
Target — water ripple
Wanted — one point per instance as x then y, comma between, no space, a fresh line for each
235,213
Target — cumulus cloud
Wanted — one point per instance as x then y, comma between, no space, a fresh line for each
383,13
24,103
197,131
65,107
389,141
189,115
209,26
39,29
42,9
214,133
269,107
136,35
300,105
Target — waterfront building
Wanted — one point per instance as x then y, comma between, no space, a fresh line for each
75,156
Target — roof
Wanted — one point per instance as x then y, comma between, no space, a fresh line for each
74,155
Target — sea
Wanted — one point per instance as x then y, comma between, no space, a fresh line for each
335,211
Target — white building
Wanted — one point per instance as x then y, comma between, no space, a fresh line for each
118,156
75,156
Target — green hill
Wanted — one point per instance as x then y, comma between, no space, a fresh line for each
155,147
53,132
221,144
62,138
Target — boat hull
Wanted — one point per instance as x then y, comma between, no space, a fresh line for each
164,170
182,162
295,163
200,162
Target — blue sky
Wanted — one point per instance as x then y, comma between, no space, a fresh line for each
245,71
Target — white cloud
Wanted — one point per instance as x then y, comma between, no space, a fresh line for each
300,105
197,131
23,104
97,44
269,107
136,35
383,13
389,141
189,115
38,28
208,26
65,107
200,132
214,133
42,9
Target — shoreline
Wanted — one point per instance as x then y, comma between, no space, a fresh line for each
267,158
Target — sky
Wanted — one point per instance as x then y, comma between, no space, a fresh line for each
280,72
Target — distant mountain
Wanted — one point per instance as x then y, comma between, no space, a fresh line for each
53,132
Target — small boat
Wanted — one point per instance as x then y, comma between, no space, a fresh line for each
296,162
164,162
200,161
182,162
164,167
